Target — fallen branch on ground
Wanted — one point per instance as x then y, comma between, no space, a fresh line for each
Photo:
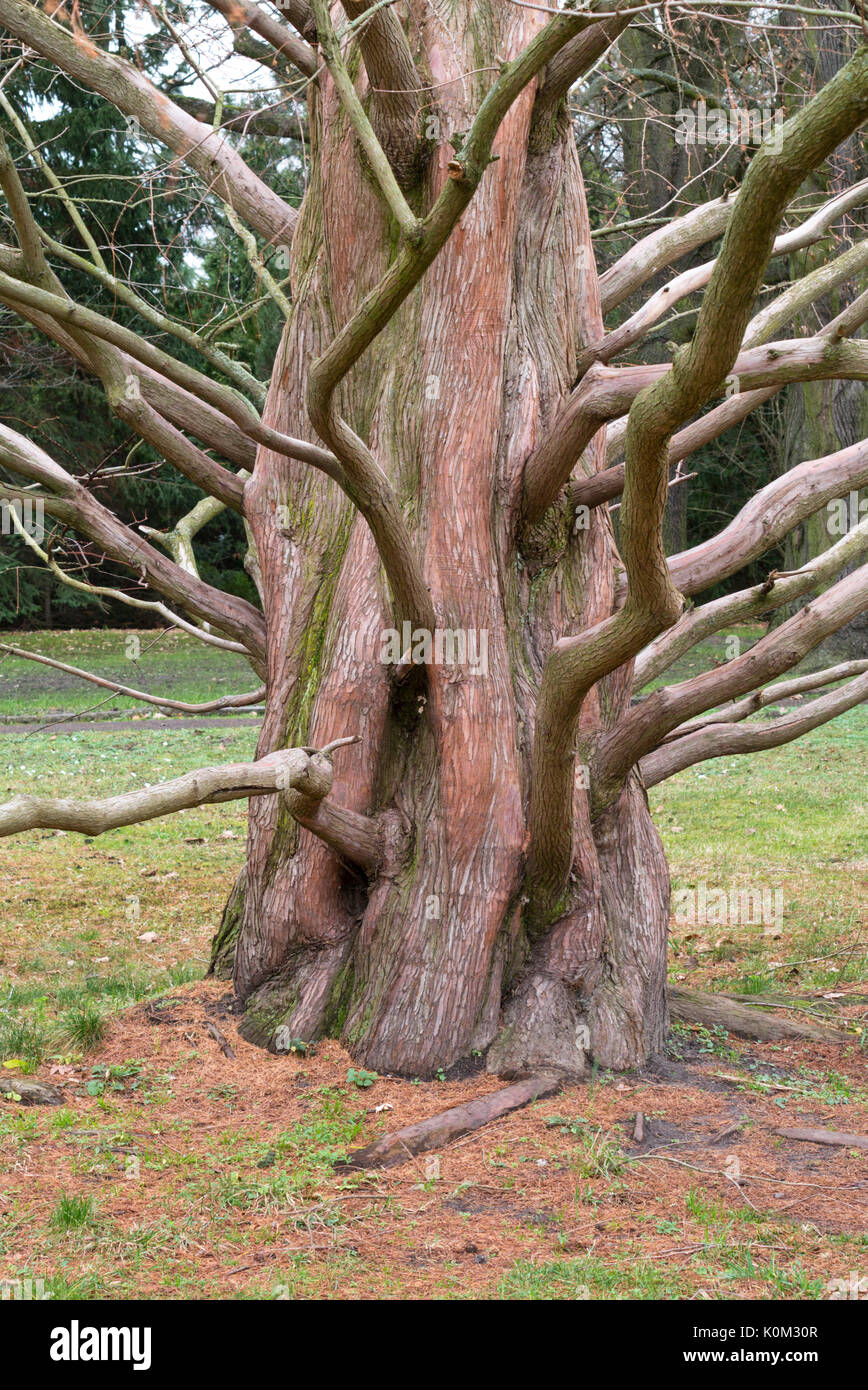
30,1092
440,1130
837,1137
716,1010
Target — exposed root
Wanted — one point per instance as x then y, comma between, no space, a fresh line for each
716,1009
440,1130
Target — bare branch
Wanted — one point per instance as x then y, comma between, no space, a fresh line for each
82,586
253,697
374,152
776,591
244,13
702,225
133,406
394,82
72,502
723,740
652,602
737,710
206,151
776,316
605,393
767,517
290,769
647,724
660,248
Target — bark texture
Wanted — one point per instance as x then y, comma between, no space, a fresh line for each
433,955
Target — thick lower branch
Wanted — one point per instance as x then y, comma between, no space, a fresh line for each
303,779
226,782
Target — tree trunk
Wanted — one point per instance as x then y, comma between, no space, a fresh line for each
440,952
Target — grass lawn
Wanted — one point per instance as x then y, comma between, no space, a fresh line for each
172,1170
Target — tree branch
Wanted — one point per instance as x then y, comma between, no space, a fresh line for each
131,404
776,316
245,14
225,702
700,226
605,393
573,61
768,516
723,739
395,85
208,153
646,725
291,771
737,710
776,591
374,152
78,507
369,487
652,602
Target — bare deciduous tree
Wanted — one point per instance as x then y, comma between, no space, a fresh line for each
425,488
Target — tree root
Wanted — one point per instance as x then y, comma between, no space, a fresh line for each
715,1009
838,1137
14,1087
439,1130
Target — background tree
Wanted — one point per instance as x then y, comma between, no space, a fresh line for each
468,861
76,150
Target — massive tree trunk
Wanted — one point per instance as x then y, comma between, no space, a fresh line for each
434,956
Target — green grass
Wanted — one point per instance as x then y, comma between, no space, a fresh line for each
244,1173
72,915
792,820
72,1213
587,1278
73,910
84,1028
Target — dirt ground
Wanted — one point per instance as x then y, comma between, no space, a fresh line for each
174,1170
